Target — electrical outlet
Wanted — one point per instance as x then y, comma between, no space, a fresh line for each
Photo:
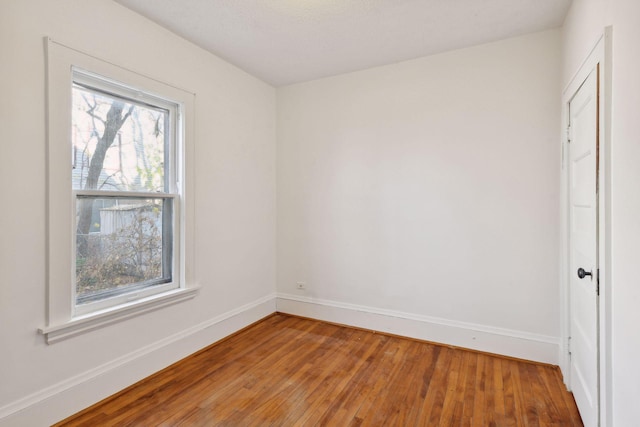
300,285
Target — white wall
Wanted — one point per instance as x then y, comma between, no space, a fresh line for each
428,190
234,209
625,211
579,35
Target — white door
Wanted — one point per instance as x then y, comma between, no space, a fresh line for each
583,260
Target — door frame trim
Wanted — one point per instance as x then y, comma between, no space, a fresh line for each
599,55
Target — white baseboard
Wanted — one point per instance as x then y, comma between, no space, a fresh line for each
61,400
523,345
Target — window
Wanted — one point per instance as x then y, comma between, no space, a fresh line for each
117,193
124,182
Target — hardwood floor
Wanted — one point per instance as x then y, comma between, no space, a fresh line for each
286,371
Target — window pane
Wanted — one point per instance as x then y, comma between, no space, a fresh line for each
118,144
127,246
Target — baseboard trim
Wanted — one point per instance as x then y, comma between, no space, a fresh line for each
65,398
507,342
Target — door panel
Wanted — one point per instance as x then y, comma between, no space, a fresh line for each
583,211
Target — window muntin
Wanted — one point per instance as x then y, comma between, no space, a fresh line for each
123,144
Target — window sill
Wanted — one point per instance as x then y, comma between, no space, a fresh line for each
88,322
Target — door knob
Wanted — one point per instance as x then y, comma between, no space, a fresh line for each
582,274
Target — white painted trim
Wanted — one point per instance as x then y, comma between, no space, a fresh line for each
520,344
61,61
111,315
67,397
600,54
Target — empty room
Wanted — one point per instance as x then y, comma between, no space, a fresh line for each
320,212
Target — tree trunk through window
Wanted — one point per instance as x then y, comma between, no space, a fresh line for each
114,121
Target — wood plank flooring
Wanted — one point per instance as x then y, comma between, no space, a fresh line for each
289,371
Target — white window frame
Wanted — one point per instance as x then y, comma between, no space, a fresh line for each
64,317
100,84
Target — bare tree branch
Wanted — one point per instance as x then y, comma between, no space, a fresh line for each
92,109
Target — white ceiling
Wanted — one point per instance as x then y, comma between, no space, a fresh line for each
289,41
